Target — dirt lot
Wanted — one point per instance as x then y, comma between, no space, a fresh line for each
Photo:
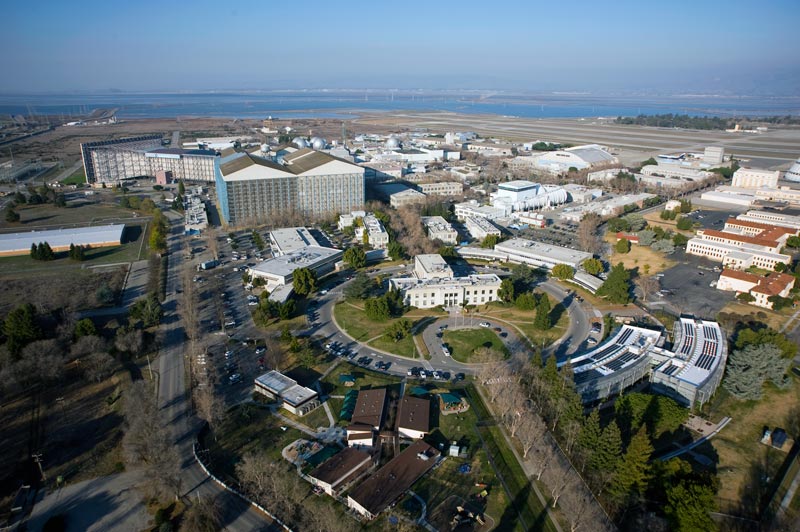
639,256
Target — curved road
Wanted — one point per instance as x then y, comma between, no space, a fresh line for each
327,329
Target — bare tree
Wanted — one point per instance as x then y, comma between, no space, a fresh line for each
212,241
512,403
648,284
531,430
580,505
203,515
542,458
130,341
210,407
557,480
98,366
587,233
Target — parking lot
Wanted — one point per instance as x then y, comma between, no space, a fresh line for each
689,287
711,219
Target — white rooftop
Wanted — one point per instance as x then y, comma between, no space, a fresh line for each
285,265
80,236
291,239
548,252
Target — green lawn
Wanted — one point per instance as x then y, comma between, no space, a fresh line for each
77,178
75,214
464,342
351,317
523,320
313,420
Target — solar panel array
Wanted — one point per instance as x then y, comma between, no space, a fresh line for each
672,368
705,351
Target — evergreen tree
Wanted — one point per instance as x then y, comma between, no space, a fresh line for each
355,257
20,328
633,470
607,452
688,507
360,287
593,266
542,320
506,291
526,301
623,245
34,252
11,215
563,271
304,281
616,287
750,367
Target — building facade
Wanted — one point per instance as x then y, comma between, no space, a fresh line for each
439,229
480,228
475,289
444,188
309,183
755,178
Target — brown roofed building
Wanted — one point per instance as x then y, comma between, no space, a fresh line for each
413,417
343,467
369,408
381,489
759,287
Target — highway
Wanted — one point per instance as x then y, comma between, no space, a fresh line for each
173,400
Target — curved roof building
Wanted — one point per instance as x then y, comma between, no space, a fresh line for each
793,173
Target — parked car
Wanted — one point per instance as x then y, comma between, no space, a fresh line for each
485,324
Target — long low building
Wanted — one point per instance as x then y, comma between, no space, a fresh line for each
382,488
536,254
337,471
690,372
96,236
448,292
761,288
290,239
742,244
480,228
279,271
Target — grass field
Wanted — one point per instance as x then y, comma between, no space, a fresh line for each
463,343
741,459
351,317
364,379
523,320
315,419
772,318
638,257
76,178
76,213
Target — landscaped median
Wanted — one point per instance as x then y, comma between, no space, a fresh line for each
466,345
351,318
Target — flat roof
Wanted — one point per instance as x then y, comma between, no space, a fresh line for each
308,257
369,407
275,381
518,185
414,413
58,238
297,395
338,467
290,239
477,279
393,479
432,263
544,252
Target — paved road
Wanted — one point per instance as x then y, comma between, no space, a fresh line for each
173,401
100,504
324,327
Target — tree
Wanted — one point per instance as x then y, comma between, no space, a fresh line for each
396,251
686,206
360,287
287,309
684,224
616,225
646,237
85,327
506,290
587,233
60,200
490,241
98,366
399,329
593,266
20,328
750,367
793,242
377,309
526,301
606,455
689,506
77,253
148,310
542,320
633,470
680,240
745,297
780,303
649,162
746,337
636,221
616,287
589,439
181,187
12,216
648,284
563,271
447,252
623,245
304,281
663,246
203,515
355,257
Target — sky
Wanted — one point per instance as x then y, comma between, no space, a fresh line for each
698,46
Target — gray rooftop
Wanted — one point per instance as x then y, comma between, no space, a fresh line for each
57,238
291,239
308,257
275,381
541,251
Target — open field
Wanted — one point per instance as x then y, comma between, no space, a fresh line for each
742,462
364,379
77,213
638,257
745,312
523,320
464,342
77,178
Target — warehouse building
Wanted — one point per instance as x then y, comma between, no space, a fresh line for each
309,183
290,239
113,161
746,177
444,188
523,195
537,254
480,228
60,239
580,157
278,271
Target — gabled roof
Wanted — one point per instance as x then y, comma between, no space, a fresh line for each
306,159
245,161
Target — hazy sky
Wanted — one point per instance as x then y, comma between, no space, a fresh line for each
697,45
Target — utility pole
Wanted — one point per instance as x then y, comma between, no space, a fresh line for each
38,459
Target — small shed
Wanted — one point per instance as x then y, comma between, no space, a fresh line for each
449,401
778,438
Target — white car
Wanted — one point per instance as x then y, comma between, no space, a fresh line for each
323,292
445,350
485,324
